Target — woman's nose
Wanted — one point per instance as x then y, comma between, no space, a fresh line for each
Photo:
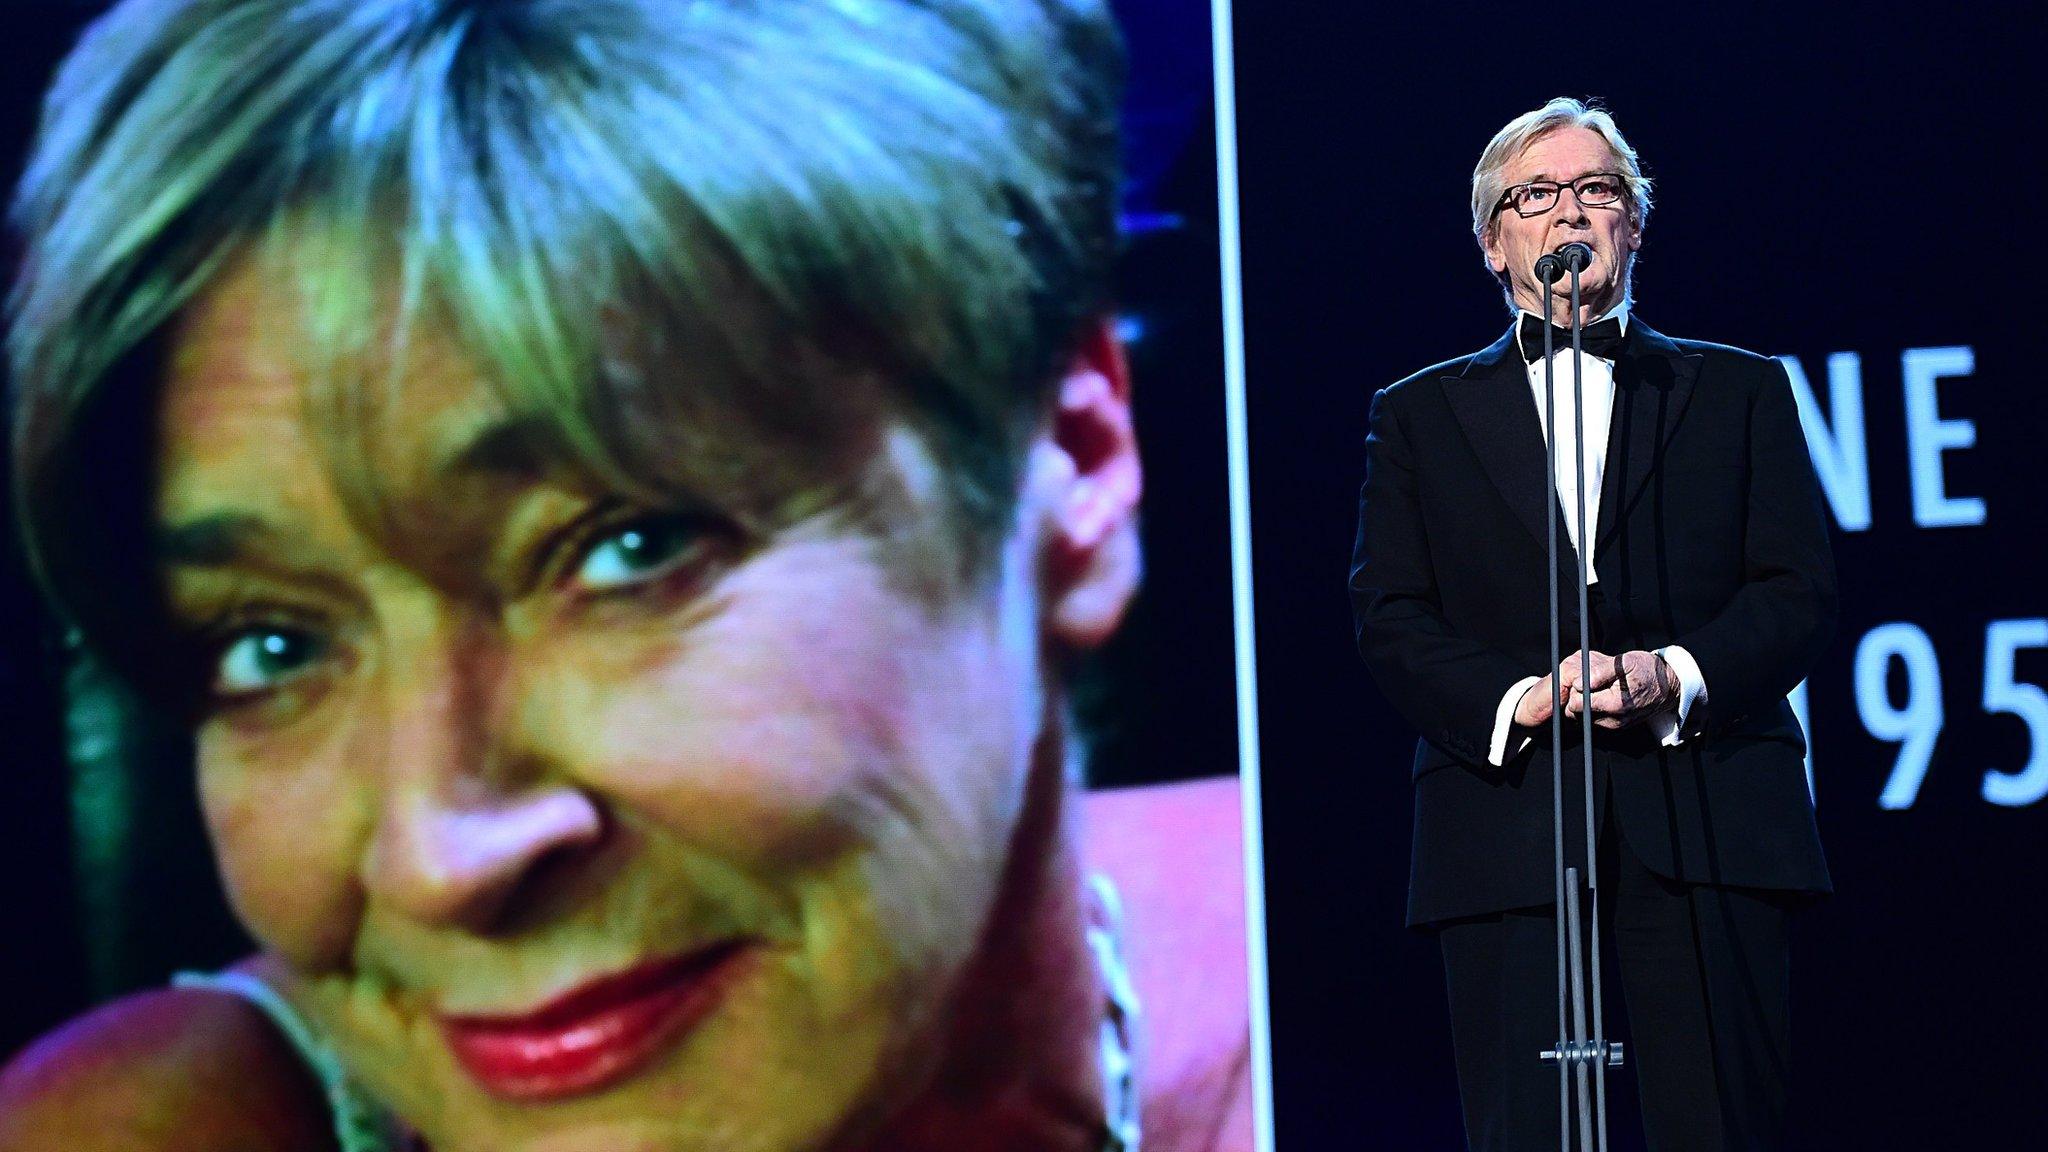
467,812
459,862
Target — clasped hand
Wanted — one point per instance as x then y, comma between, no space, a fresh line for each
1618,690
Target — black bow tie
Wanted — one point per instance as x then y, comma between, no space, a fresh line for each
1602,339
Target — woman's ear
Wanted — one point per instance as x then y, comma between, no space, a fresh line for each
1090,506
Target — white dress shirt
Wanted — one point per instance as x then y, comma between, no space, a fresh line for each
1598,384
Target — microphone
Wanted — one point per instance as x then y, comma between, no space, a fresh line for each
1549,268
1576,255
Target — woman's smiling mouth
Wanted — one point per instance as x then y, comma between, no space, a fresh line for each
595,1034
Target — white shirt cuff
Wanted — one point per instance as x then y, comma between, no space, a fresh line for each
1692,689
1497,751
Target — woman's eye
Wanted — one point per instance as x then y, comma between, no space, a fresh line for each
637,552
258,659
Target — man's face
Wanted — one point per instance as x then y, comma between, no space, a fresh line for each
1515,243
584,825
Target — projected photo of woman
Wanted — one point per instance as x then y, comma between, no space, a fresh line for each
619,491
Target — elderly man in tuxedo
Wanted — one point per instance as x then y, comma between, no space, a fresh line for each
1712,594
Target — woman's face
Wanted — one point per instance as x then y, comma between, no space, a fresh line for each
588,825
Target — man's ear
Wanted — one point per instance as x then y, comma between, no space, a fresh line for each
1089,454
1489,243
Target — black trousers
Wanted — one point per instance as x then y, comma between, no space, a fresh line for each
1703,974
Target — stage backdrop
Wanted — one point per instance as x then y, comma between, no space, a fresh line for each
1854,189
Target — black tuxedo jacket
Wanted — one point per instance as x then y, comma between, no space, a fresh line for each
1711,534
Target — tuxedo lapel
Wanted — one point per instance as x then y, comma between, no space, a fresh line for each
1493,405
1653,383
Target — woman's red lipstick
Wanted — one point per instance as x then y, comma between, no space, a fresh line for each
595,1034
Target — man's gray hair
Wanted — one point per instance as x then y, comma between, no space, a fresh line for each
1489,181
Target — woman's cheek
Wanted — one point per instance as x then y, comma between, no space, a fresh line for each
754,735
280,834
744,774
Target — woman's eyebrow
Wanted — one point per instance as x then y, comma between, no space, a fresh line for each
215,540
506,449
513,448
241,538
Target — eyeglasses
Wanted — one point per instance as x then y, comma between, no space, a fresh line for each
1597,190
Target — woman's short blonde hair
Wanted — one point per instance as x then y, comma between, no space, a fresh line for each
920,191
1489,182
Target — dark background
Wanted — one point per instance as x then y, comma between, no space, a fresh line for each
1831,178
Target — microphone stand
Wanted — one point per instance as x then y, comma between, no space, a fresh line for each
1582,1060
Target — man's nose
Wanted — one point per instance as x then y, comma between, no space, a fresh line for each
467,814
1570,210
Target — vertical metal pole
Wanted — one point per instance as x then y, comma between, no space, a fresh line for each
1585,550
1580,1041
1564,1074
